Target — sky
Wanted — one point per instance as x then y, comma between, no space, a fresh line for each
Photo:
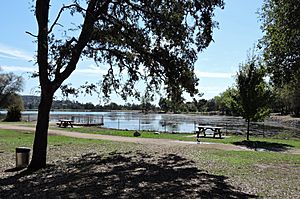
238,31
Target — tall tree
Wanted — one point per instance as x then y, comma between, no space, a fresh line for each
10,84
253,94
154,41
281,44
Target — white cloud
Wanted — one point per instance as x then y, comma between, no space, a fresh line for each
13,53
6,56
18,69
212,89
91,70
213,74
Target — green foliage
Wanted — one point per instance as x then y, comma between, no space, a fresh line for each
191,107
295,97
10,84
281,45
150,41
286,99
279,102
253,93
290,95
89,106
200,104
281,42
211,105
31,102
227,102
17,100
164,104
146,102
167,105
13,114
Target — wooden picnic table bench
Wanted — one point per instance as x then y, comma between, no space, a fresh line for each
65,123
202,129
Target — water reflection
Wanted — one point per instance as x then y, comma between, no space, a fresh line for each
164,122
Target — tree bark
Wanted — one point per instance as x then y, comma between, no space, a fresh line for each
41,133
48,88
39,156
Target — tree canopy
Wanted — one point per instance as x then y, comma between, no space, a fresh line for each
253,94
153,41
227,102
281,42
281,45
10,84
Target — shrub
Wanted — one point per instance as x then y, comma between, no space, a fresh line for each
13,114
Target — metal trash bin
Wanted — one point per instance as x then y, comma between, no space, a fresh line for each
22,157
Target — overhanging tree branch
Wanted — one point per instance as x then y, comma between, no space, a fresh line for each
87,29
140,33
27,32
60,12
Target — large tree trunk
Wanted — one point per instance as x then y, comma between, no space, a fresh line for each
49,87
41,133
248,128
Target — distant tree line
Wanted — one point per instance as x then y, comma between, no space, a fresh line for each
32,102
226,103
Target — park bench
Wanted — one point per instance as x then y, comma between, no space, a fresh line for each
215,129
65,123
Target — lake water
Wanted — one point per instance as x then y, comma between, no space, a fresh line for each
154,122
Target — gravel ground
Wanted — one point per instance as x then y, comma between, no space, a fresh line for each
116,175
145,170
126,139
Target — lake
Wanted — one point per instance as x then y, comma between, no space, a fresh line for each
157,122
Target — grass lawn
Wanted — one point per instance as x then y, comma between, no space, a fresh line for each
277,142
259,142
129,169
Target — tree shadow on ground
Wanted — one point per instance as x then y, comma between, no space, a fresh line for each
270,146
123,175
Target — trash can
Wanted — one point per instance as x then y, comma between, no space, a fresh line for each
22,157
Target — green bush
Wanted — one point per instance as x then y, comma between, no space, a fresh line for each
13,114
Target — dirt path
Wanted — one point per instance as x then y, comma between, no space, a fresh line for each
152,141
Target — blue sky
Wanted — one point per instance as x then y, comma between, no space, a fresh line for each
239,30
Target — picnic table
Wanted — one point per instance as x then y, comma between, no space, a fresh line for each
202,129
65,123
